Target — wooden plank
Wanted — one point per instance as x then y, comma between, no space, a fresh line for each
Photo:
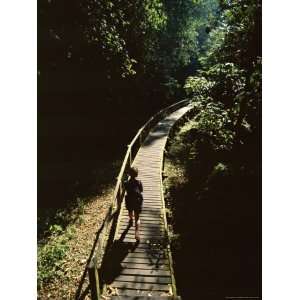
159,266
143,233
146,255
144,218
155,204
144,237
129,239
147,210
150,162
141,294
158,222
144,241
151,200
143,222
149,260
147,250
145,272
156,235
151,210
151,197
143,245
143,230
147,236
142,279
146,213
152,205
141,286
153,192
144,157
149,174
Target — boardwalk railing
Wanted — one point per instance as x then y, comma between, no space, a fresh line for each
112,215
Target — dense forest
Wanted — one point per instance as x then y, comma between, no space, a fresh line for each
104,67
215,163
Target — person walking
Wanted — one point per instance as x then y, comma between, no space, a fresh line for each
134,199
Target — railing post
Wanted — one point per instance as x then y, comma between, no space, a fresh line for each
94,280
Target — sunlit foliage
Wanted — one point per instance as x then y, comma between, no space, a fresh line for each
231,66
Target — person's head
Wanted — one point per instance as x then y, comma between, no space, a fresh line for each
133,172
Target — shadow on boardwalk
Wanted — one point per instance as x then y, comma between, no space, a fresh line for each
112,262
112,266
160,130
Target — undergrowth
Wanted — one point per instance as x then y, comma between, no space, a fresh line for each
50,256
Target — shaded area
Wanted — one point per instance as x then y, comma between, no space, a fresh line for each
161,130
79,151
152,256
216,214
112,267
220,237
64,188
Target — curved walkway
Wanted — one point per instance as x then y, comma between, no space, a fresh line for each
145,269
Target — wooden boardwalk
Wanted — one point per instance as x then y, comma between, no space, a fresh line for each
145,269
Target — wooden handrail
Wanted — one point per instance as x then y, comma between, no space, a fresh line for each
118,194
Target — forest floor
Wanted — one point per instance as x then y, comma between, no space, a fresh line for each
73,282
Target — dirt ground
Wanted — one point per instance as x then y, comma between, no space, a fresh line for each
73,284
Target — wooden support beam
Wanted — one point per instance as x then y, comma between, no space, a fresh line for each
94,279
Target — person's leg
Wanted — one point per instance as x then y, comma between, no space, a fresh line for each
130,214
137,225
129,208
